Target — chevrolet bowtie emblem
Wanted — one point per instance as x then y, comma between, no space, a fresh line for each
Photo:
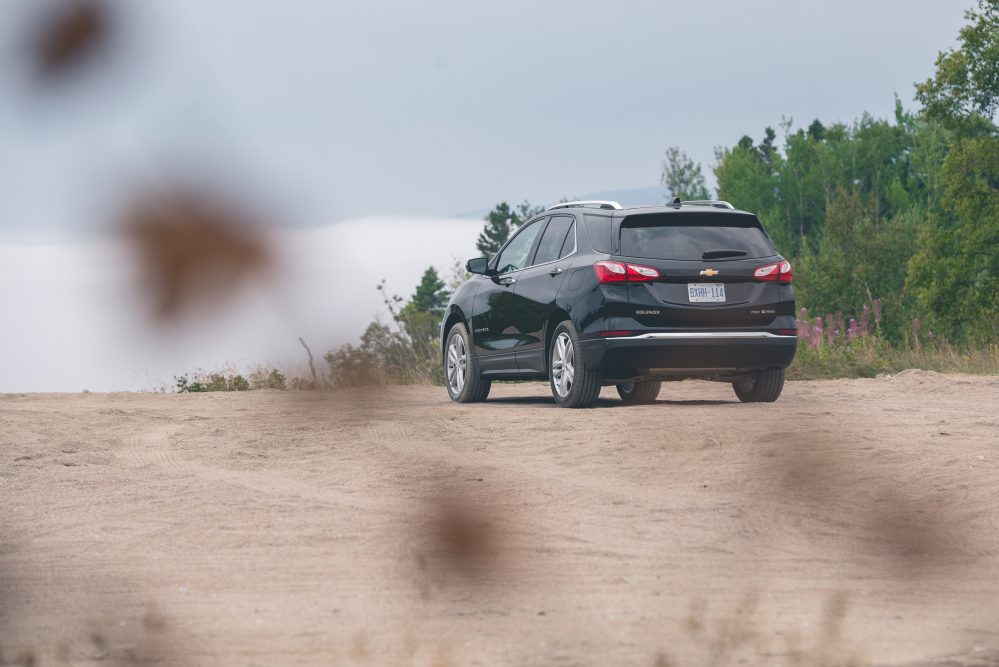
709,272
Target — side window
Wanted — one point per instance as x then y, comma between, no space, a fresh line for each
569,246
553,239
515,255
598,228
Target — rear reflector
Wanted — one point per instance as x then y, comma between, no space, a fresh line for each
778,272
615,333
787,332
620,272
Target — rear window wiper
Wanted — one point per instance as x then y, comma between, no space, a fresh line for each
718,254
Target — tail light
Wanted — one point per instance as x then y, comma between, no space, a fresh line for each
778,272
621,272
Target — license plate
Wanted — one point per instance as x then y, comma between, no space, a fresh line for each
706,292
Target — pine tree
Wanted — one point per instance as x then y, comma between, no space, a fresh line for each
431,294
499,224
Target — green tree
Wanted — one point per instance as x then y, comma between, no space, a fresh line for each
860,256
964,90
747,178
683,177
816,130
421,316
501,222
845,203
955,272
431,294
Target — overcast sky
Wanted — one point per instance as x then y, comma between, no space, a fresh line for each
343,109
383,118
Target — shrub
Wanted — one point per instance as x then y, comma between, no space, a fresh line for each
835,347
227,380
267,378
405,350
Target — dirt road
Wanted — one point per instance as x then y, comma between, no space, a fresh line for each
852,522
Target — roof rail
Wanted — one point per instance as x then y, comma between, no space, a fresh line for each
593,203
714,203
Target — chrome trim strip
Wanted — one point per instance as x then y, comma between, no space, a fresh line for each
700,334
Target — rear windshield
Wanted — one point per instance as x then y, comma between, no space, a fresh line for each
694,236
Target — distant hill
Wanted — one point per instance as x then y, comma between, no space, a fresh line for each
625,197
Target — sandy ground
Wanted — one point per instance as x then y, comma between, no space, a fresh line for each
852,522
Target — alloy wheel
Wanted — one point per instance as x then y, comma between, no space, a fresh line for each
457,361
563,364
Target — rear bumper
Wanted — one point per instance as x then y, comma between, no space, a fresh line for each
724,351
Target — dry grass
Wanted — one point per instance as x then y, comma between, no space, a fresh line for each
871,357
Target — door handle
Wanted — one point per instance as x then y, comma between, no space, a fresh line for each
554,272
509,280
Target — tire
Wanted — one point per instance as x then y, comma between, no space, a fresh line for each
464,384
638,393
764,386
580,387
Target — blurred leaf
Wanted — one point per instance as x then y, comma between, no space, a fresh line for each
192,249
69,35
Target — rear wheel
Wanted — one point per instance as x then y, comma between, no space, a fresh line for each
764,386
464,385
573,384
636,393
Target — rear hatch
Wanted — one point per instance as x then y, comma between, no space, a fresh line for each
706,261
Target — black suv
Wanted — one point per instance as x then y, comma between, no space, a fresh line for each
589,294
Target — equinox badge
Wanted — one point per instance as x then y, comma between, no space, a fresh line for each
709,272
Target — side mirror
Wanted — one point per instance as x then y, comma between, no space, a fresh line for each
478,265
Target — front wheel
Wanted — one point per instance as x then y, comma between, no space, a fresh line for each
573,384
763,386
637,393
464,385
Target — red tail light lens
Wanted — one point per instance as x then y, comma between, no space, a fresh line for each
610,272
778,272
785,272
641,274
620,272
767,273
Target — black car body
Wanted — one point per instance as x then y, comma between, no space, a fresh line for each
687,290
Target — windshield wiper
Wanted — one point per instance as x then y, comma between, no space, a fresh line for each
718,254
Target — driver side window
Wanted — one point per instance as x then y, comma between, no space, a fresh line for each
516,254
